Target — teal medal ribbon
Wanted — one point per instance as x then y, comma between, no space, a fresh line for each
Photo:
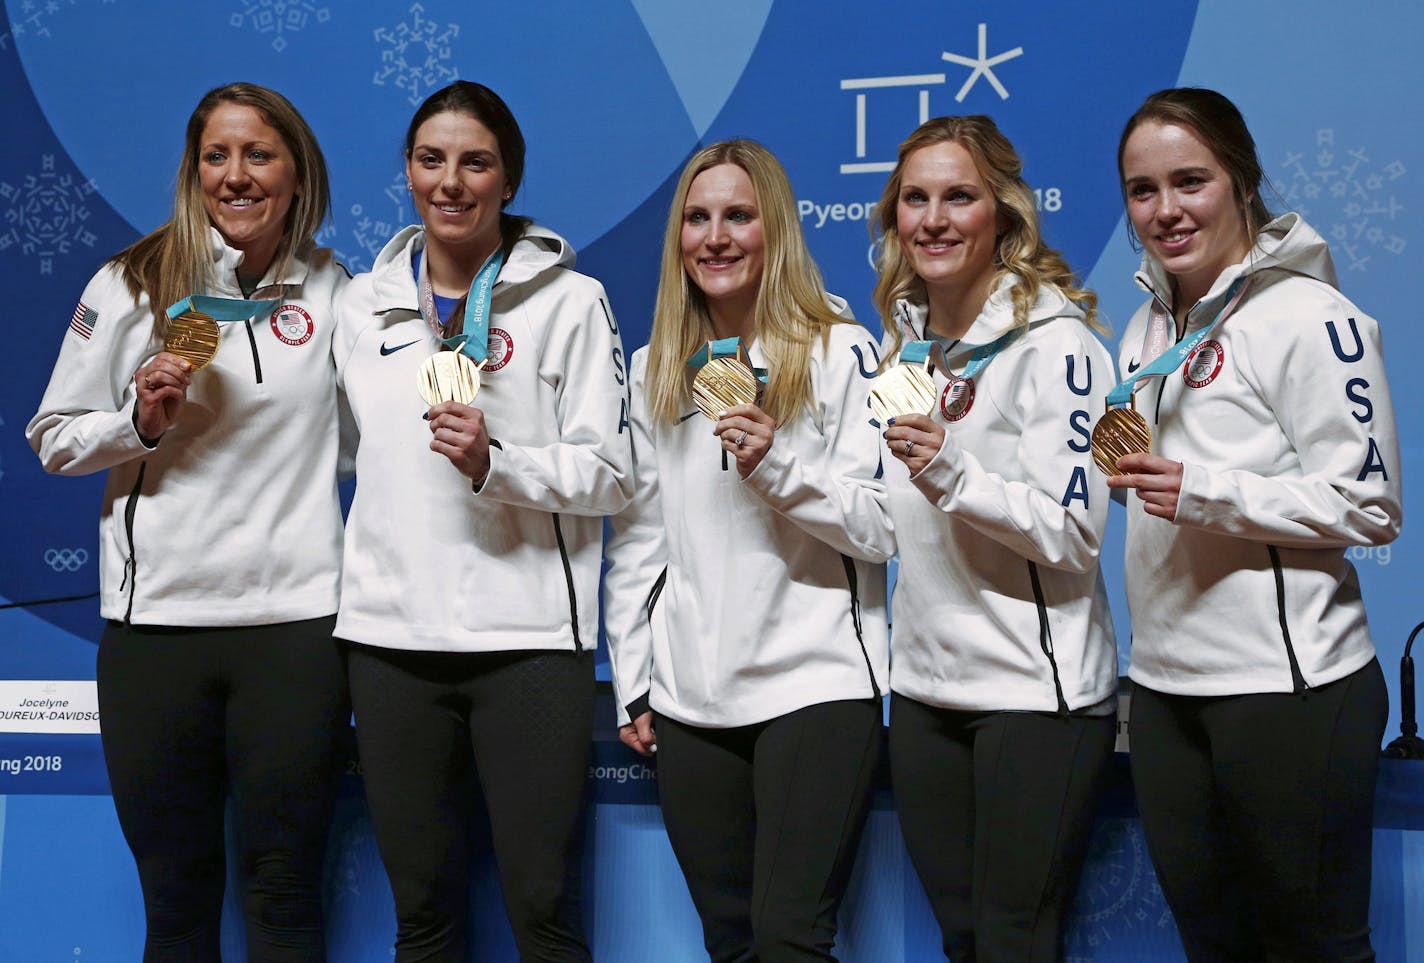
920,352
221,309
724,348
984,354
473,341
1173,357
1123,430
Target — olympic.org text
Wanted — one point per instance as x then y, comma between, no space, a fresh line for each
621,774
1378,554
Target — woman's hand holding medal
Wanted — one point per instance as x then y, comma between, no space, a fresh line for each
747,432
162,386
460,435
1158,482
914,439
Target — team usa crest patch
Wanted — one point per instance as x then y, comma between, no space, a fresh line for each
1204,364
500,348
956,399
292,325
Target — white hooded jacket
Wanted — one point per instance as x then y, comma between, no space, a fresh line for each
999,604
432,564
233,518
730,601
1283,423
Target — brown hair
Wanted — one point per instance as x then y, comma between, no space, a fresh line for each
1219,124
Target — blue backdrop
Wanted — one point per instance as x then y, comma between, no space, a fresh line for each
613,97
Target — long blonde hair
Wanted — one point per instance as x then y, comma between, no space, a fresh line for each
791,306
1019,248
176,259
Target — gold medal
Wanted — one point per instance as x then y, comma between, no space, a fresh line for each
723,383
906,389
194,337
1120,431
448,376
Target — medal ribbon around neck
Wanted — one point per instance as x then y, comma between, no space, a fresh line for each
1123,431
473,341
724,378
193,333
983,354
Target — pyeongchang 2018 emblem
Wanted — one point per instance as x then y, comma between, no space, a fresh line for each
1204,364
292,325
956,399
500,348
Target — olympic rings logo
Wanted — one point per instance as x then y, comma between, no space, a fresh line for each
66,559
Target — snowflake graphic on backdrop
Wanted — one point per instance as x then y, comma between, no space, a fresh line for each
358,236
416,54
279,17
45,214
32,16
1348,197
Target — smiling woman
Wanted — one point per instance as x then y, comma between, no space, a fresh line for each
217,672
1273,450
745,609
1002,672
248,181
469,595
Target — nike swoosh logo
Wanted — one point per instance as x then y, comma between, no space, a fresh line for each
385,350
692,415
1132,366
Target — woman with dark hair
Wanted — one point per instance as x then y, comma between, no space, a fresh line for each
745,597
1258,705
474,543
1003,665
220,535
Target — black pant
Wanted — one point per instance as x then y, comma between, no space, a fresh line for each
524,721
997,808
765,821
193,715
1258,812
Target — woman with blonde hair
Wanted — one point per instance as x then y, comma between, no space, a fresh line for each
745,608
1003,680
220,535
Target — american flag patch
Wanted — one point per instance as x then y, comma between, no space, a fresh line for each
83,321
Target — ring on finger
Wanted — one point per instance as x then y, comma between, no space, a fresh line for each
908,445
740,438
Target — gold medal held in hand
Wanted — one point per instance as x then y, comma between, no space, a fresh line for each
723,383
194,337
1120,431
448,376
906,389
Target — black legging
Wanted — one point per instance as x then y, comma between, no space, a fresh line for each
997,808
524,721
765,821
193,715
1258,811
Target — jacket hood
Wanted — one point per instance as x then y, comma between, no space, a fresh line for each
1286,244
227,259
996,318
537,251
